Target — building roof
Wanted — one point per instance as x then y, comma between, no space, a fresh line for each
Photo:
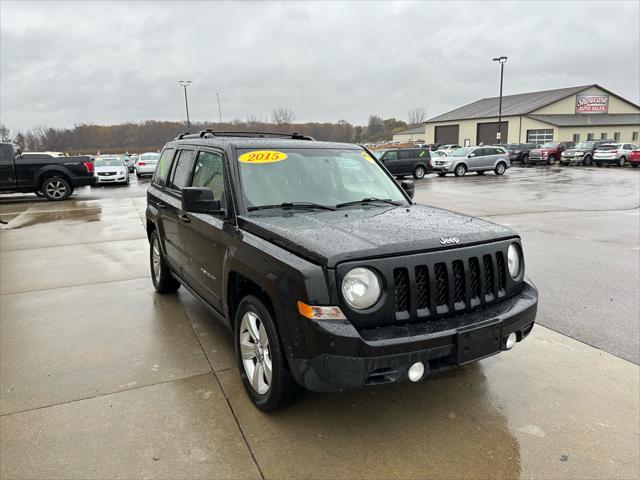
419,129
520,104
581,120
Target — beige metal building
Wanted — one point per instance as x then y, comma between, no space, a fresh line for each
413,134
568,114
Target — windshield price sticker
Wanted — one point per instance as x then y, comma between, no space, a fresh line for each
262,156
367,157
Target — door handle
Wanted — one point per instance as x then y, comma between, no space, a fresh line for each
184,218
160,205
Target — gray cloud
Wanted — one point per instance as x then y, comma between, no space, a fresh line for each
94,62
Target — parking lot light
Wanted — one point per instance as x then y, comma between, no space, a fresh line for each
184,84
501,61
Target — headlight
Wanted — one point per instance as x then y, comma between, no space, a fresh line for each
361,288
578,154
513,260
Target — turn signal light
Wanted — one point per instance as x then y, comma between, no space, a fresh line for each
320,313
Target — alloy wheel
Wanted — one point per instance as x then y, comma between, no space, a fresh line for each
255,352
155,259
56,189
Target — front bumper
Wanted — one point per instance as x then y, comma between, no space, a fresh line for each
348,358
111,179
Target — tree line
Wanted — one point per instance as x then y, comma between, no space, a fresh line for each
151,135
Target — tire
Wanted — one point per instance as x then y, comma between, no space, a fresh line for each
525,159
621,161
480,172
56,188
587,161
551,159
635,165
460,170
441,174
598,164
258,351
501,167
161,277
419,172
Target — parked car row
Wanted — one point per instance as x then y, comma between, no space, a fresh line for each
598,152
419,161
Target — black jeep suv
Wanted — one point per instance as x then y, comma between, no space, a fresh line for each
326,272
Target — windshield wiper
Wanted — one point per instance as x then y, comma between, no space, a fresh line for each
293,205
367,200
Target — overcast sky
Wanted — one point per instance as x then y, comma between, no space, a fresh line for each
91,62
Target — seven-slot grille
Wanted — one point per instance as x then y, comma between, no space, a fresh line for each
449,287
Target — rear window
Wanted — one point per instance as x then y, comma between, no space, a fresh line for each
609,146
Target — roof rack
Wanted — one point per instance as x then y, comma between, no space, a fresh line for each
210,133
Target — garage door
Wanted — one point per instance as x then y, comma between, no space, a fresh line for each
447,134
486,133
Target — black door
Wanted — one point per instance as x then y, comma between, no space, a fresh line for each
486,133
390,161
208,234
406,160
172,218
7,170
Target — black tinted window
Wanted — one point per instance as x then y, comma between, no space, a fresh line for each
406,154
391,155
208,173
423,154
478,152
164,164
181,170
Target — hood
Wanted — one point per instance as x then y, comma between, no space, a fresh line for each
328,237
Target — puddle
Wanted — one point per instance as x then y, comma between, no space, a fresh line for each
27,218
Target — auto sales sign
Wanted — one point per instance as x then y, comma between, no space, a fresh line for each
592,103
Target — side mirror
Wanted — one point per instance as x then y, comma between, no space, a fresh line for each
471,155
199,200
408,186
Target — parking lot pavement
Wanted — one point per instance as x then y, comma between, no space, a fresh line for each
102,378
581,235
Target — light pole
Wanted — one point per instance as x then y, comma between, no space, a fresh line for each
184,84
501,61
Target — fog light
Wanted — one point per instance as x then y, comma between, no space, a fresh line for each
416,371
511,341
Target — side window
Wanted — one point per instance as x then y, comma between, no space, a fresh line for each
6,157
164,164
423,154
181,170
208,173
391,155
405,154
479,152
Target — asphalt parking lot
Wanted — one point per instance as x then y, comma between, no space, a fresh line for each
102,378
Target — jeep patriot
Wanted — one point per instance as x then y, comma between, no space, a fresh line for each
326,272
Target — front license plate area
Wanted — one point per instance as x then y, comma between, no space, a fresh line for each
479,342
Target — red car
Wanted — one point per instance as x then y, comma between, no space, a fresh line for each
634,158
549,152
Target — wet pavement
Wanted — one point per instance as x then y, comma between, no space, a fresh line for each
102,378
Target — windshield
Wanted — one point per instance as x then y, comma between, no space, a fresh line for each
321,176
549,145
108,162
586,145
462,152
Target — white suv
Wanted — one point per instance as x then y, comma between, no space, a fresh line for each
616,153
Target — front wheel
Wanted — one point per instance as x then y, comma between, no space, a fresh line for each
56,188
621,161
525,159
500,168
263,368
163,282
587,160
419,172
552,160
460,170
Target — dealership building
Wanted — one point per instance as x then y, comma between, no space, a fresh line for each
577,114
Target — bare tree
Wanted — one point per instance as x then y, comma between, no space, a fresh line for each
417,115
5,133
283,117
